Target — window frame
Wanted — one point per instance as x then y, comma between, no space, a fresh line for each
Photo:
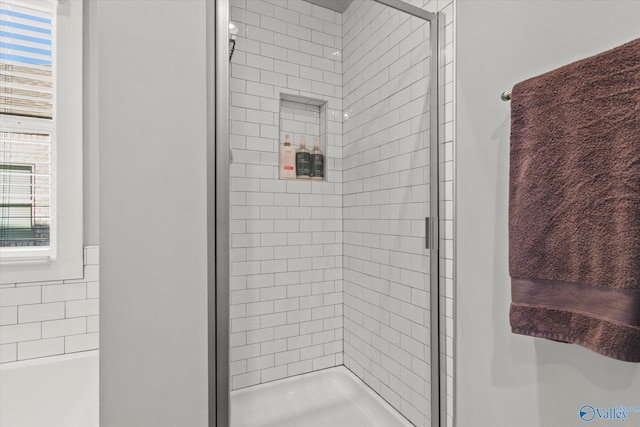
9,255
67,215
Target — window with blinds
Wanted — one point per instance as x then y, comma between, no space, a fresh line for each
27,124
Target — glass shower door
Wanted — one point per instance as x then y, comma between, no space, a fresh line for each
333,273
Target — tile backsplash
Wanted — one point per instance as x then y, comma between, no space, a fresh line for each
42,319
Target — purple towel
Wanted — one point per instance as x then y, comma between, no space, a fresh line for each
574,204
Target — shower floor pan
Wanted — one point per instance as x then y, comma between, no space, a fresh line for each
332,397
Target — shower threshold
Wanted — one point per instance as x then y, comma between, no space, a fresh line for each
326,398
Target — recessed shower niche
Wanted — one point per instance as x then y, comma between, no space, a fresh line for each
303,120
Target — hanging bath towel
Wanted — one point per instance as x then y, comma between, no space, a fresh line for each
574,204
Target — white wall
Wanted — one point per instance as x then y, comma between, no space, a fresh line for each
90,124
153,216
505,379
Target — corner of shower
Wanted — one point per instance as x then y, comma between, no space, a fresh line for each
340,276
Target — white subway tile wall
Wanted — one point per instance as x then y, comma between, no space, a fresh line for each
386,199
447,170
286,236
50,318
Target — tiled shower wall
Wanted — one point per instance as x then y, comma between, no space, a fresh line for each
42,319
447,173
386,199
294,47
286,235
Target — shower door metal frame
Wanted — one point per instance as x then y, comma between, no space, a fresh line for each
218,205
432,233
218,159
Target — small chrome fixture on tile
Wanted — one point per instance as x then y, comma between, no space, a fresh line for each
506,95
233,30
232,47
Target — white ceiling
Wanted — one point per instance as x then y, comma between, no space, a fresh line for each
337,5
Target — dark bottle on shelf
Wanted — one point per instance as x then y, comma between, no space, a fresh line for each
317,161
303,161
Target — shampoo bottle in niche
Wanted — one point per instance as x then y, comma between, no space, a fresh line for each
303,161
287,160
317,161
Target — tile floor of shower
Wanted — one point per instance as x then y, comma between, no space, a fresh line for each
332,397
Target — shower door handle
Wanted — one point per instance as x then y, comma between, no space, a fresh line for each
429,232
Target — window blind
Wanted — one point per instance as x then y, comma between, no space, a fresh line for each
26,51
27,108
